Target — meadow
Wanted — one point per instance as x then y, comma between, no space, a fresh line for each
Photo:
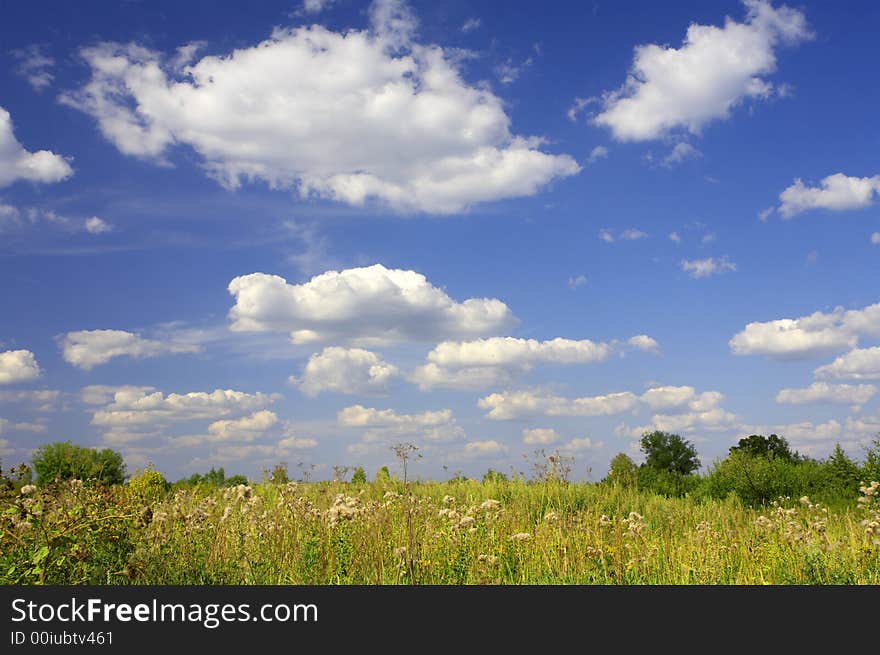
463,531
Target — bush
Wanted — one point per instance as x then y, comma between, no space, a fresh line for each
760,480
359,476
623,471
671,484
493,476
382,475
148,485
871,466
63,460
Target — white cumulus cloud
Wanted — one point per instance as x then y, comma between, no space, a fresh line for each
540,436
247,428
822,392
497,360
382,425
86,349
16,163
807,336
18,366
139,408
372,305
345,370
510,405
484,448
714,70
351,116
837,192
857,364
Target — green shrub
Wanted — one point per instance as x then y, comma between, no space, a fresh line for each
149,485
623,471
63,460
359,476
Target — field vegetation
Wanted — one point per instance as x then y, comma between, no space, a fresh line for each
762,515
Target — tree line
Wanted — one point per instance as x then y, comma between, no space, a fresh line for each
758,470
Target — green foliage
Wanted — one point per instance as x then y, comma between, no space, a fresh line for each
758,445
760,480
844,474
149,485
492,476
279,474
871,465
382,475
214,478
63,460
68,533
662,482
359,476
623,471
516,532
669,452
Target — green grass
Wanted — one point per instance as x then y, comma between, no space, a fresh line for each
436,533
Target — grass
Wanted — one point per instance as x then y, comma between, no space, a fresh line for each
428,533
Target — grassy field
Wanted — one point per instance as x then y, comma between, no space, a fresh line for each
462,532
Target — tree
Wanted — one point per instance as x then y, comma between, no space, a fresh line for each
758,445
871,466
669,452
359,476
492,475
623,471
383,475
844,471
63,460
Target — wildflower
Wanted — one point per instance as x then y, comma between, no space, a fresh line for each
465,522
400,551
520,536
490,504
870,490
28,489
634,524
551,516
604,521
448,500
487,559
592,551
763,522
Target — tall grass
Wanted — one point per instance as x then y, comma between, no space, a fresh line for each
498,532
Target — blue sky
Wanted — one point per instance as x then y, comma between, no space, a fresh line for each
235,236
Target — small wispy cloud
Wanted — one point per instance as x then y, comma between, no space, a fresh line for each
699,268
577,281
34,65
470,25
597,153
